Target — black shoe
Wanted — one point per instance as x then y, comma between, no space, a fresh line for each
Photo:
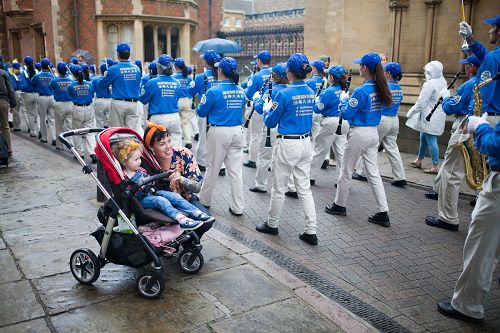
309,239
473,203
202,168
431,195
357,176
245,151
43,141
207,207
39,135
448,310
222,172
381,218
399,183
312,181
257,190
53,143
93,158
11,124
269,169
17,130
264,228
381,147
250,164
325,164
231,211
292,194
188,145
196,137
336,209
436,222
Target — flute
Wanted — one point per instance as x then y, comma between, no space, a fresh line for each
348,84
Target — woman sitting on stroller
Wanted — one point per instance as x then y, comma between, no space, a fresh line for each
128,154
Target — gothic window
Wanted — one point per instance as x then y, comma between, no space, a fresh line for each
149,46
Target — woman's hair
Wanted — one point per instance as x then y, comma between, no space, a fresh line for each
31,70
340,81
280,79
165,70
381,86
44,66
62,71
234,76
79,77
184,70
154,133
212,63
121,149
306,69
86,74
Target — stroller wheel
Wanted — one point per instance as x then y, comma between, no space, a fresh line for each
149,285
84,266
190,261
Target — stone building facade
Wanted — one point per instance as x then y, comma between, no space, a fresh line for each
56,28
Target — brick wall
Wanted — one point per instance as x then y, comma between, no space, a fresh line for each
87,28
42,14
115,7
153,7
263,6
65,29
4,47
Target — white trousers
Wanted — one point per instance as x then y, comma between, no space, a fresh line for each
83,117
224,145
186,114
324,139
202,139
362,141
255,126
102,107
63,113
388,131
20,111
123,114
46,114
481,251
172,121
30,100
292,157
264,158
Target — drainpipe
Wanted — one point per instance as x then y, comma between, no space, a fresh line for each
209,19
75,20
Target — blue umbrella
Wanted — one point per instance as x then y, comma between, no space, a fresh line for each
219,45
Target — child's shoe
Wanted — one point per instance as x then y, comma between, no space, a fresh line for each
188,224
205,217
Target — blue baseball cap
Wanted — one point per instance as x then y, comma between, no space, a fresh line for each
51,65
392,68
165,60
264,56
370,60
228,65
45,62
296,62
210,56
74,60
152,65
62,66
319,65
280,69
103,68
138,62
16,65
28,60
179,62
110,62
84,67
336,71
38,66
123,47
493,21
472,59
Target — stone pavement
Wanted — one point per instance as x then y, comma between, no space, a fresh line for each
47,212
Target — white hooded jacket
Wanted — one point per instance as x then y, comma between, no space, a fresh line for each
433,88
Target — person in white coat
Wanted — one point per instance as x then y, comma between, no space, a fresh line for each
433,88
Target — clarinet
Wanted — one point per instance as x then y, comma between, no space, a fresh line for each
348,84
247,122
194,76
440,100
205,82
320,88
268,133
253,73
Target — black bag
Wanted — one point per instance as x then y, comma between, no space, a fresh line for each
4,151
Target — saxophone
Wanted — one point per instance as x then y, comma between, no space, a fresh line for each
476,168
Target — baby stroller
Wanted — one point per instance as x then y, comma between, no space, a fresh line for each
130,249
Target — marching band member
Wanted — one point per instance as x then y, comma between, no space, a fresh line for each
317,84
162,94
63,105
30,96
452,171
280,82
102,105
153,72
181,74
364,111
291,111
83,116
223,106
328,107
45,101
125,80
200,86
20,110
388,129
254,84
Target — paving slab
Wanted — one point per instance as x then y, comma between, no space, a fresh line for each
180,309
18,303
32,326
8,267
291,316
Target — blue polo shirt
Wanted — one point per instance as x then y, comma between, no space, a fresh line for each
198,85
458,104
184,81
490,66
59,86
15,80
224,104
397,98
315,83
125,80
256,81
258,103
27,84
81,93
99,92
292,110
42,83
329,100
488,143
364,107
162,94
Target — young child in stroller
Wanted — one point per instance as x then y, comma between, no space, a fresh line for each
189,217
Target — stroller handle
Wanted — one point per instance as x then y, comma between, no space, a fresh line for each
150,179
80,131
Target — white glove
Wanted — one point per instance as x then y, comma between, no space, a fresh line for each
465,30
343,95
445,93
316,100
256,96
473,122
267,106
